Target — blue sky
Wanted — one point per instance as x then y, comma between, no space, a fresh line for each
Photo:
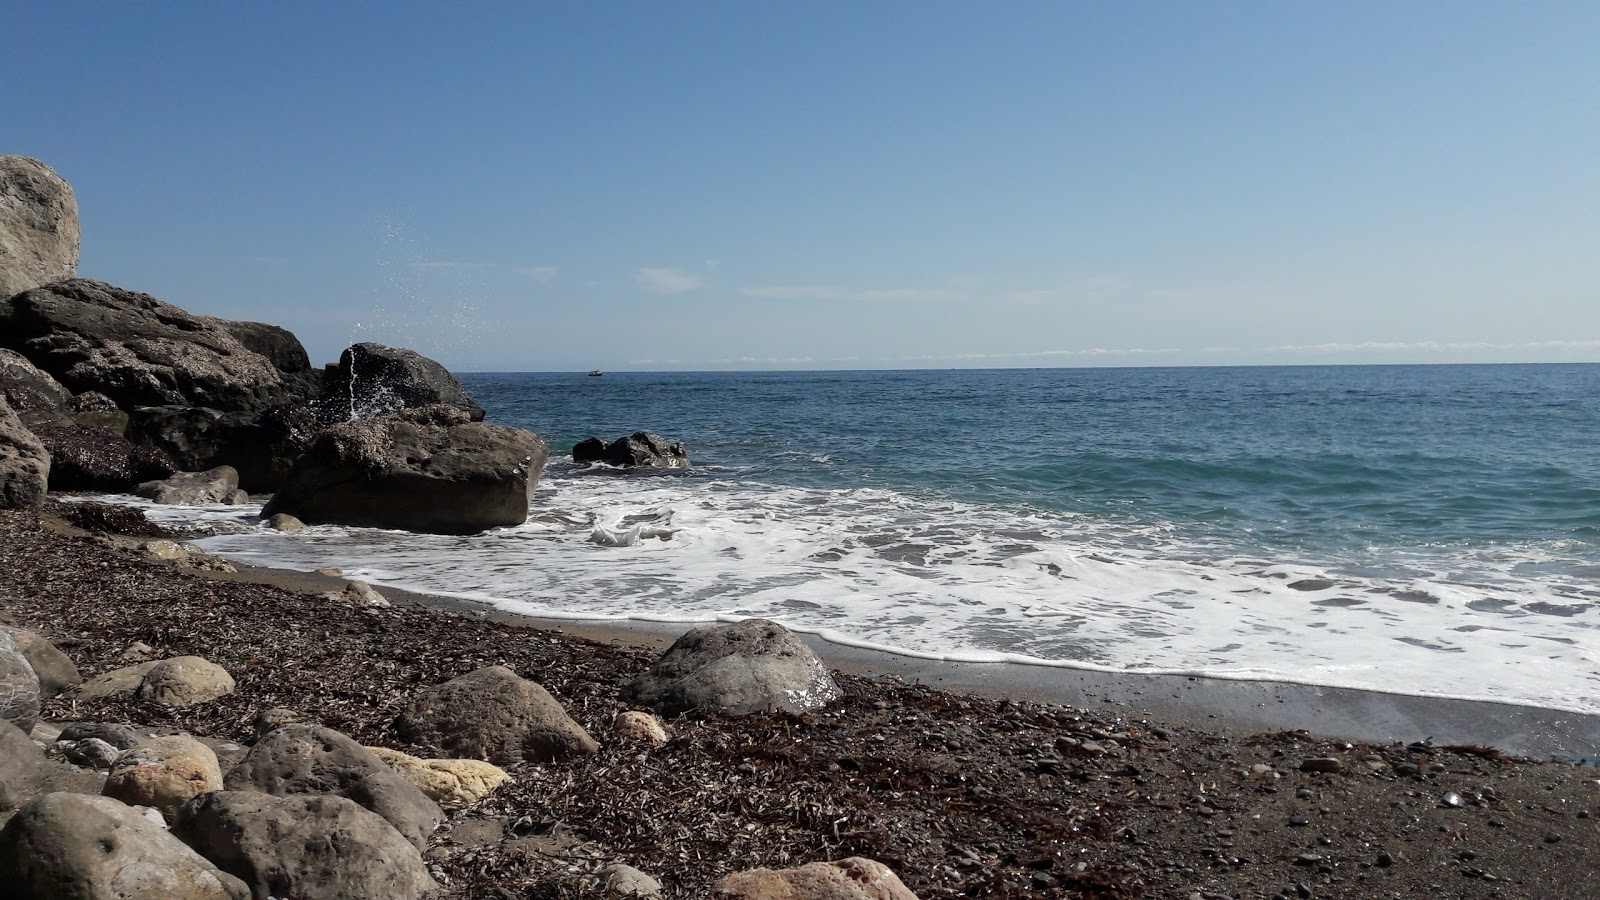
839,185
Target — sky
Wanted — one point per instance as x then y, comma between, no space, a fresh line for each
838,185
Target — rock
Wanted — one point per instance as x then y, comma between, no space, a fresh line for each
1321,764
305,847
640,726
642,448
164,773
373,380
95,848
87,458
445,780
270,720
53,668
284,522
24,463
122,737
138,651
284,351
19,686
359,593
424,469
748,667
495,715
23,767
91,753
623,881
34,396
260,446
179,682
309,759
39,231
184,556
192,488
855,878
109,518
135,349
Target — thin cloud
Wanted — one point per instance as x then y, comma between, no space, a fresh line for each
541,274
831,292
443,265
1431,346
668,281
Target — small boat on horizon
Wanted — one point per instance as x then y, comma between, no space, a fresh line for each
595,373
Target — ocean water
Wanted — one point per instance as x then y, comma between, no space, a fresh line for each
1430,530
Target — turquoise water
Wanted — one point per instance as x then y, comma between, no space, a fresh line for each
1425,529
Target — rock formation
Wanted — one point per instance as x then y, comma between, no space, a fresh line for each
640,449
39,232
371,380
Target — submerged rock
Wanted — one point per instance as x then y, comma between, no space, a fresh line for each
642,449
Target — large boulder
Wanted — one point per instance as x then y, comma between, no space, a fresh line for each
754,666
39,231
493,714
310,759
219,485
164,773
179,682
426,469
260,446
371,380
306,847
77,847
855,878
135,349
19,686
642,449
24,463
88,458
54,669
34,396
23,767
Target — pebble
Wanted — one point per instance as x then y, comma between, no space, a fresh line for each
1385,860
1298,821
1307,859
1304,794
1451,800
1321,764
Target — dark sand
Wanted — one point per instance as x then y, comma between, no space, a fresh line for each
1098,787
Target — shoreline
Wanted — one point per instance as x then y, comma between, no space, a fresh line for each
1236,707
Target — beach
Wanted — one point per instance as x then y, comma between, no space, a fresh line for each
965,786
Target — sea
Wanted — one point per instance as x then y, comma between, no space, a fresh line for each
1426,530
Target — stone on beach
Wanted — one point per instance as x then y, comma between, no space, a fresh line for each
426,469
96,848
53,668
359,593
39,230
22,766
640,726
624,882
309,847
753,666
855,878
164,773
91,458
284,522
19,686
310,759
495,715
445,780
179,682
206,488
24,463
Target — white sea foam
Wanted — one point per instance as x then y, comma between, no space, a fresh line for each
946,580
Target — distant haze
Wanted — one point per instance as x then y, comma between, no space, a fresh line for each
839,185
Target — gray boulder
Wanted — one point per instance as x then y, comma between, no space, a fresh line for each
135,349
754,666
39,231
495,715
309,759
24,770
34,396
642,449
219,485
371,380
122,737
19,686
55,670
179,682
77,847
306,847
426,469
24,463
